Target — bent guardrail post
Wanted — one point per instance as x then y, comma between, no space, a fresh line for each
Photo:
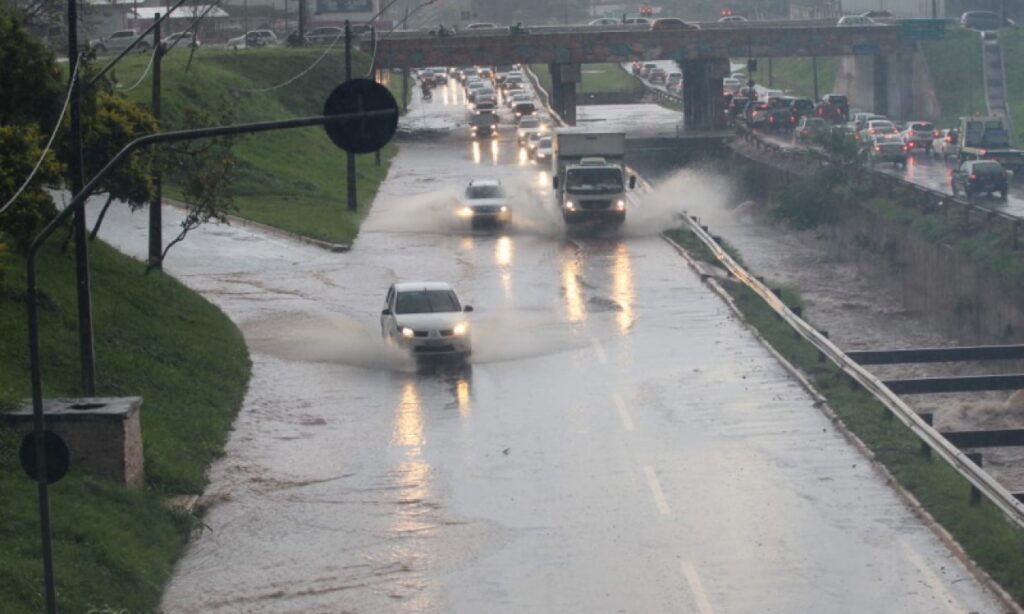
77,202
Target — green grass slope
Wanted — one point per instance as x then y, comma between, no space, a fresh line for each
1012,42
596,78
795,75
292,179
955,66
115,547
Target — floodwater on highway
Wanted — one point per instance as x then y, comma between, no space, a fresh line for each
618,441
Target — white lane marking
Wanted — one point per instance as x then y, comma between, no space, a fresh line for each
620,404
932,579
599,350
699,596
659,496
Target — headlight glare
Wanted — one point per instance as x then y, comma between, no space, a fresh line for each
620,205
460,329
407,332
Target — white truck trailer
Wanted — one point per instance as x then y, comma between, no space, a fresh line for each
588,172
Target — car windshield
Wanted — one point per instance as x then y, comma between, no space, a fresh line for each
593,180
921,127
426,301
529,123
484,191
544,143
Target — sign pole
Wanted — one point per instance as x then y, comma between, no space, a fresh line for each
350,158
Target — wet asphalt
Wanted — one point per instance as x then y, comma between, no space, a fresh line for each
619,441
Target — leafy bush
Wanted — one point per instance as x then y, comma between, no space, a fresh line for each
19,150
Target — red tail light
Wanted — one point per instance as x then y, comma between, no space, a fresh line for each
949,139
877,148
974,177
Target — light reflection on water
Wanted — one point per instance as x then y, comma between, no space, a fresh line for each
574,306
503,252
462,397
408,430
622,288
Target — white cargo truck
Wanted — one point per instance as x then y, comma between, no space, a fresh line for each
987,138
588,172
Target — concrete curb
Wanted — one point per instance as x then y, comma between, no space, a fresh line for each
246,223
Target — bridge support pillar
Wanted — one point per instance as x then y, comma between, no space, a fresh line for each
703,104
880,77
564,78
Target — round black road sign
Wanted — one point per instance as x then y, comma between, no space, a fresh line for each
361,134
58,459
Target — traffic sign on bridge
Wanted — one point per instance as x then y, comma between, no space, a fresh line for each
923,29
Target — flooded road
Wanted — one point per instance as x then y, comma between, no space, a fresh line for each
619,441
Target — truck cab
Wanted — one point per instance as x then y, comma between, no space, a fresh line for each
589,176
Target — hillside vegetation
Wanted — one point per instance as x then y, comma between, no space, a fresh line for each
156,339
114,548
292,179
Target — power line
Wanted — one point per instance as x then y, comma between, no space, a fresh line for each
261,90
144,73
49,143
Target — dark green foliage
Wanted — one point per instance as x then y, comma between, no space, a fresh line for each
31,91
20,148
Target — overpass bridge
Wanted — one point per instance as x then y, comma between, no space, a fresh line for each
702,54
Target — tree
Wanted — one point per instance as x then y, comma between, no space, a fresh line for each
109,123
20,148
30,81
203,169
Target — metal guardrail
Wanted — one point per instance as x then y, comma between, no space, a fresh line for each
1003,499
967,468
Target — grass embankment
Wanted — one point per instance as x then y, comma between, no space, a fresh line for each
114,547
955,66
596,78
987,537
291,179
1012,42
795,75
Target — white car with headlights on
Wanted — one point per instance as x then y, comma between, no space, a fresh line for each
426,318
485,203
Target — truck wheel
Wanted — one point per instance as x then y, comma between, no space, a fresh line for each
1002,194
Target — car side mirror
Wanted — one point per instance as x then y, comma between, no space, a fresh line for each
385,312
632,181
468,308
554,182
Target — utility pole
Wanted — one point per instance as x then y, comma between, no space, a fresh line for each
302,22
814,69
373,70
156,239
245,15
769,71
85,334
350,158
